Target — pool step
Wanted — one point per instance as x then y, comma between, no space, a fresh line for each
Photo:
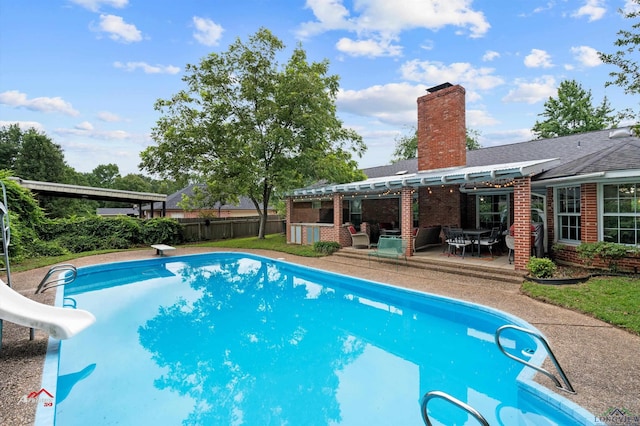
469,269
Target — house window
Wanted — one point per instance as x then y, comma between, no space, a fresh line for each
568,211
493,211
621,213
355,212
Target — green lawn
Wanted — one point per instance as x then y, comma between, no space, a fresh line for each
615,300
276,242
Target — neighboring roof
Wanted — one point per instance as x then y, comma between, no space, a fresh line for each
579,154
114,211
244,203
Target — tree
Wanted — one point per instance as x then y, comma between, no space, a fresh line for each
628,74
572,112
39,158
256,125
407,145
10,146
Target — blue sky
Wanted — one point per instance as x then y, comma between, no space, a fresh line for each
87,72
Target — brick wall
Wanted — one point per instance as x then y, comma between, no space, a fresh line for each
380,210
439,206
442,129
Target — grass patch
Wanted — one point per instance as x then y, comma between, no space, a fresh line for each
275,242
615,300
39,262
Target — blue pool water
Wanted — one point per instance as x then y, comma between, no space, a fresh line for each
237,339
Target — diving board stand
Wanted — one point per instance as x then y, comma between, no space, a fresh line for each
161,248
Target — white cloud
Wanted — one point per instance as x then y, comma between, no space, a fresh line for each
371,48
108,117
480,118
14,98
538,59
84,126
593,9
490,55
119,30
463,73
146,68
531,92
387,19
631,6
94,5
23,125
393,103
505,136
86,129
587,56
207,32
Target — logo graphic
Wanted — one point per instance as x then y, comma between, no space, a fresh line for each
618,416
42,396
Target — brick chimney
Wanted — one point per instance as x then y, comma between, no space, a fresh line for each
442,138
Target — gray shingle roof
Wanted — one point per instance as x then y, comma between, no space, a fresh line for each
598,149
244,203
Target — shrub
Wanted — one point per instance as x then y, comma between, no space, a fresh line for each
608,252
541,267
326,247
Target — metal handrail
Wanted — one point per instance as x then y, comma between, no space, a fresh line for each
48,283
443,395
567,385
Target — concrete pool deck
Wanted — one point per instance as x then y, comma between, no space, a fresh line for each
601,361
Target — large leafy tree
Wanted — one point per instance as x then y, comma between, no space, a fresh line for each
571,112
253,124
407,145
625,58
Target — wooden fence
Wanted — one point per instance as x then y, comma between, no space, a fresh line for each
200,229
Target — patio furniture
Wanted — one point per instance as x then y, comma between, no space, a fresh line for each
510,241
427,237
457,240
391,248
358,239
490,241
474,236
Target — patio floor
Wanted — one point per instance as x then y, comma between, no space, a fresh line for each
600,360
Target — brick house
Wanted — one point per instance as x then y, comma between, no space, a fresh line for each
581,188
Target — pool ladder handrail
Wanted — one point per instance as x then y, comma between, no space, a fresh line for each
48,282
443,395
567,385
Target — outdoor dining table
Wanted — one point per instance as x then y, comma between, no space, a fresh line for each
474,236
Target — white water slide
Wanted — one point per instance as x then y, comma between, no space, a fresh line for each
60,323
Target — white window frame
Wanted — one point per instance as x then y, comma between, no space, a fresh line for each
602,215
561,214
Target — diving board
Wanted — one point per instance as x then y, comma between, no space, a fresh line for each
60,323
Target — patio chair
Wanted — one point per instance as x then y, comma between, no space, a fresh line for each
491,240
359,239
457,241
510,241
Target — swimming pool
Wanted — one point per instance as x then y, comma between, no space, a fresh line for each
233,338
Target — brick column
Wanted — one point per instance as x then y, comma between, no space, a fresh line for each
337,217
589,212
522,221
406,219
288,213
